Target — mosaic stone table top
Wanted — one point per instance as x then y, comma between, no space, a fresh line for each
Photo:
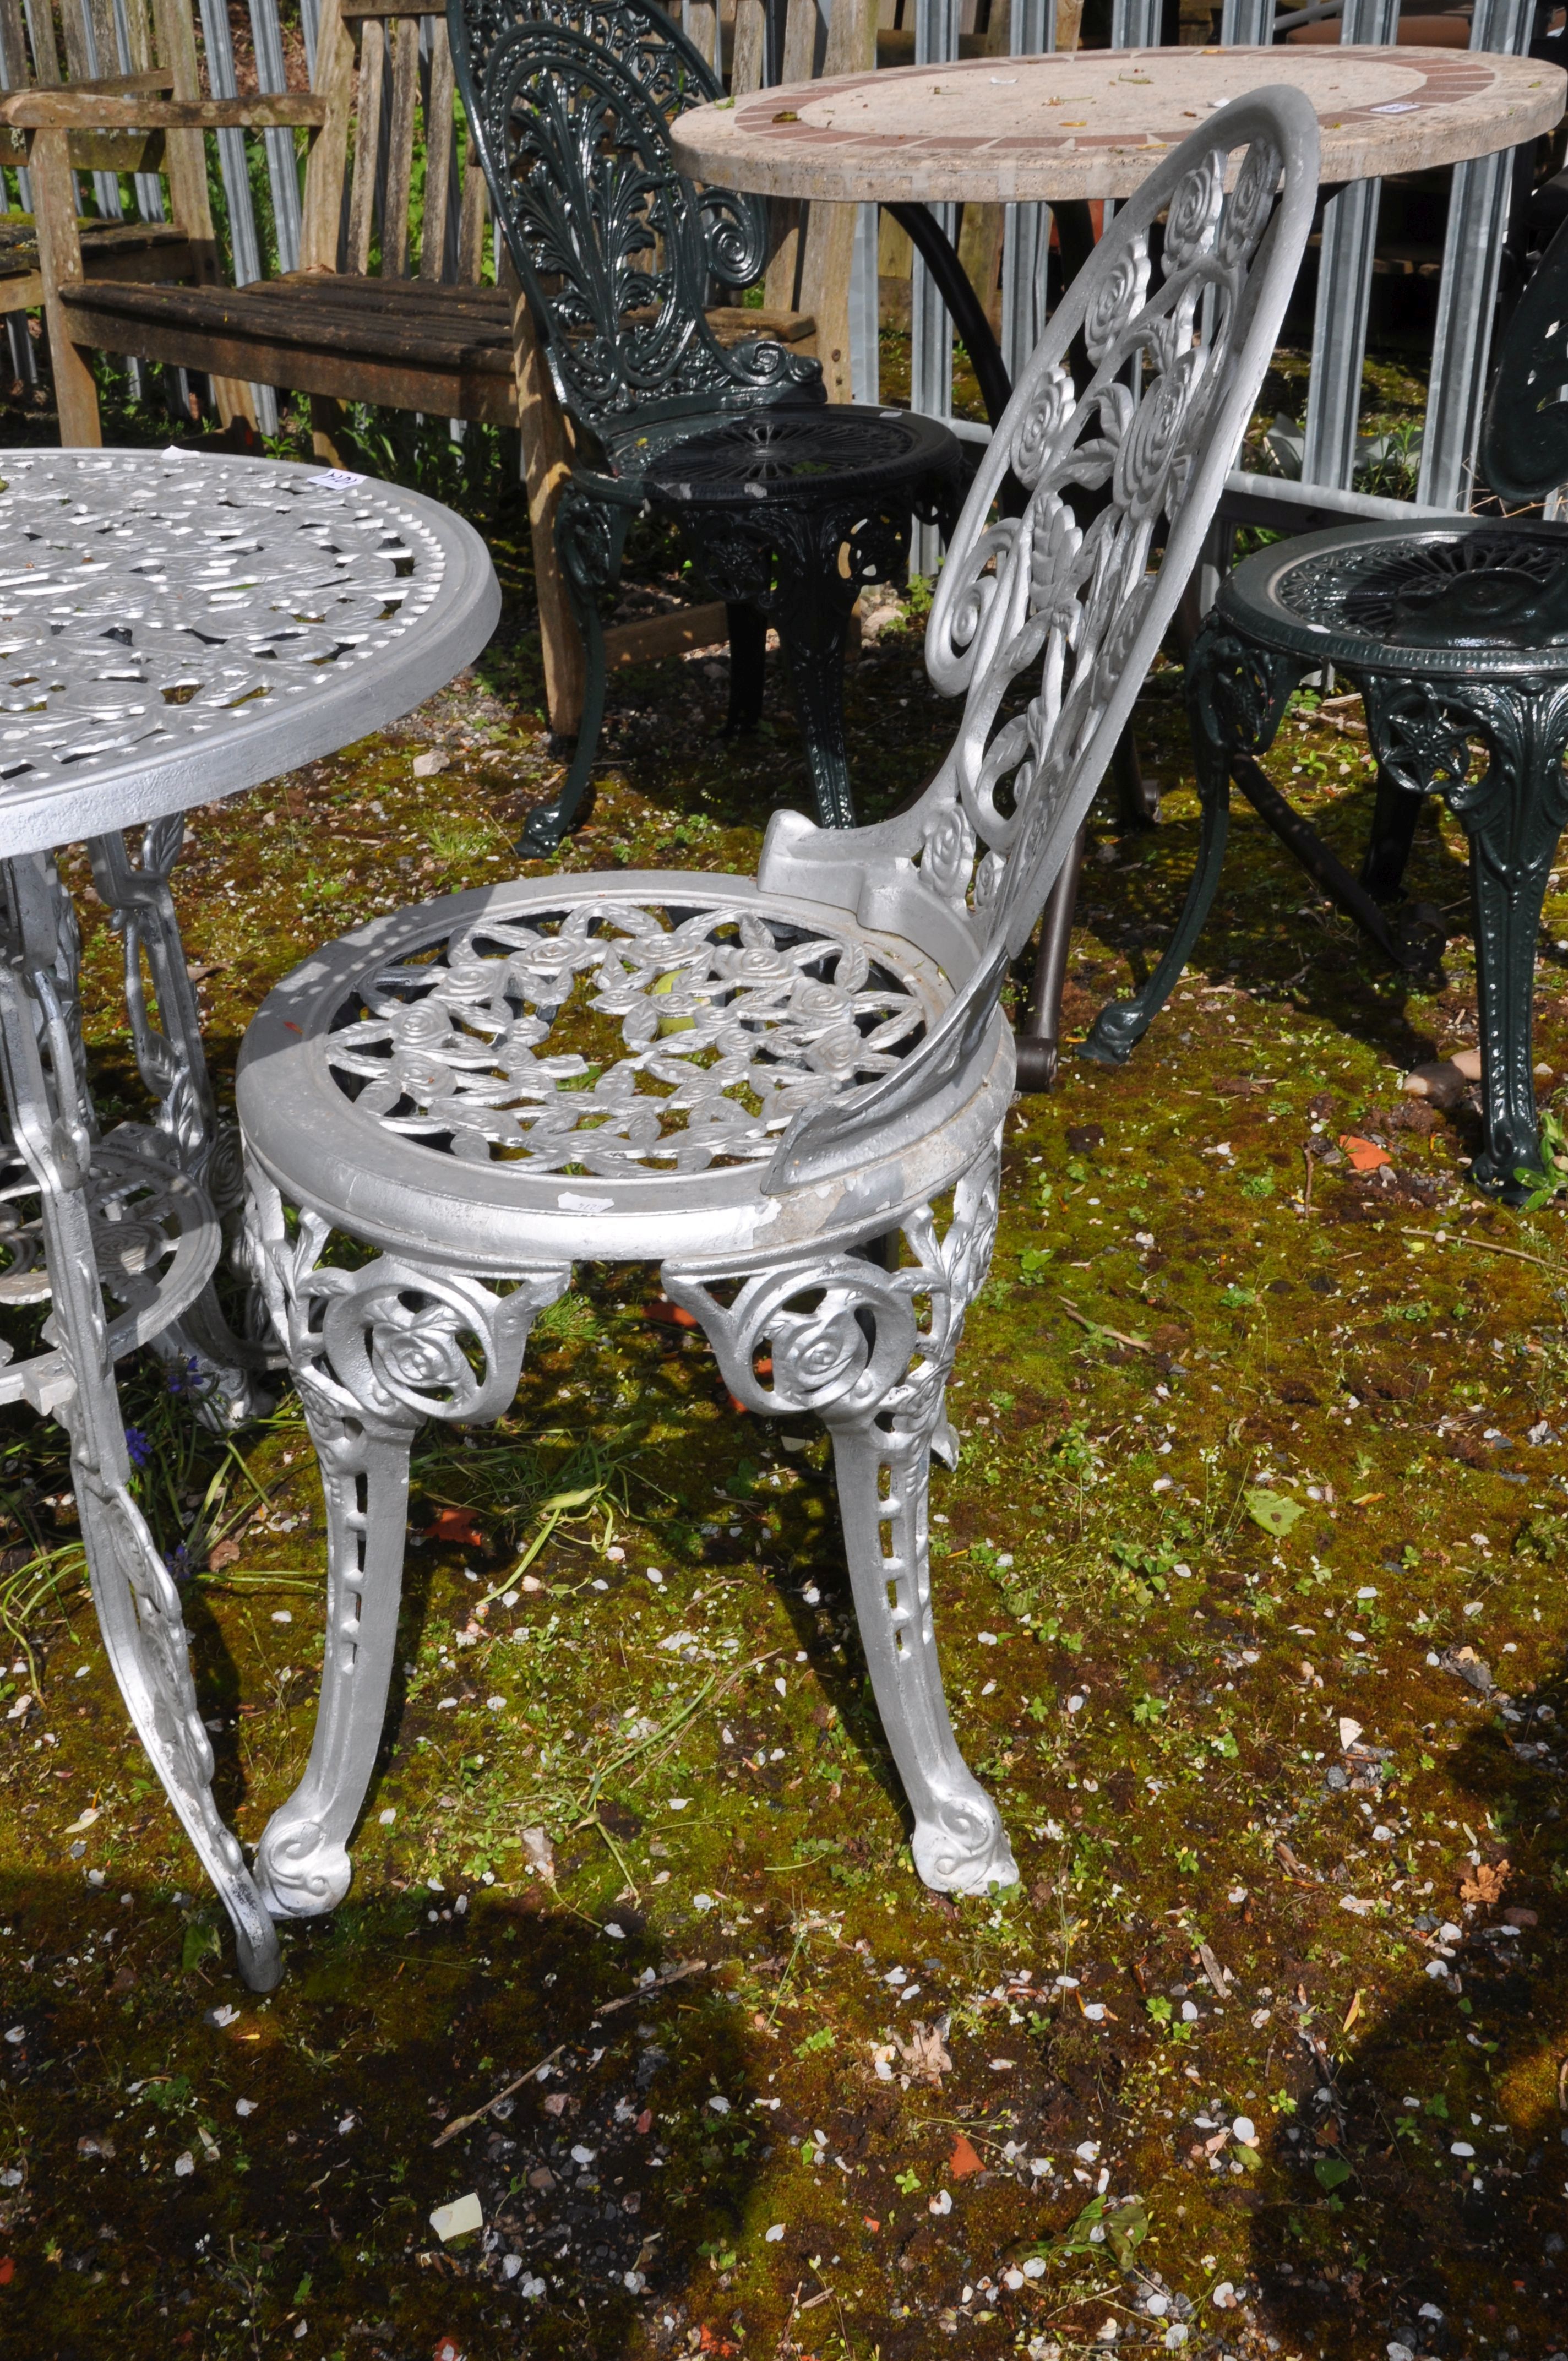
1091,123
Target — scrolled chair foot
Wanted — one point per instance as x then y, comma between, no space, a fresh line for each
1115,1033
301,1871
542,832
1039,1061
964,1848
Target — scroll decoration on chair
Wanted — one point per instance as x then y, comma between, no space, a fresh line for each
1068,586
617,249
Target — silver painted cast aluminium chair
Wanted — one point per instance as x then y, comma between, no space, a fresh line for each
774,1087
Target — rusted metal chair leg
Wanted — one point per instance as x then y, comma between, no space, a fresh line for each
1040,1038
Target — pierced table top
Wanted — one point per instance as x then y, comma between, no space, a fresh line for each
1093,122
177,626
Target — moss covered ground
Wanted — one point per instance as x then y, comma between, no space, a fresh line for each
1250,1595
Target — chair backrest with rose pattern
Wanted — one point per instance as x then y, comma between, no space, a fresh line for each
1118,437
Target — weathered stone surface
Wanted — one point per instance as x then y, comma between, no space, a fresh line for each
1094,121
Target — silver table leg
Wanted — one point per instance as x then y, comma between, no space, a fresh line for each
173,1066
137,1604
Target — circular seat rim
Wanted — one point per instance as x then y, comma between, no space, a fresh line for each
496,1218
934,445
1250,600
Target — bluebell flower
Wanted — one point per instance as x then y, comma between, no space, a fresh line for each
178,1563
139,1446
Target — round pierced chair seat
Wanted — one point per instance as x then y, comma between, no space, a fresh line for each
1488,598
491,1078
817,454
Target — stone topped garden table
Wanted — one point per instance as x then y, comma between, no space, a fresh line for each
1092,123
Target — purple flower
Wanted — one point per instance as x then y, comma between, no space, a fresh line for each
139,1446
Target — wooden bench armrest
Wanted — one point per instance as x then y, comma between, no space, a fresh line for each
118,85
81,110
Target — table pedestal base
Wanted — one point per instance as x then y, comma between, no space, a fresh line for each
113,1216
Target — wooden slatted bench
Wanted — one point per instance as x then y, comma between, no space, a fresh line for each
31,59
366,317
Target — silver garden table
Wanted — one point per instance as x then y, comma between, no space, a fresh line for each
174,628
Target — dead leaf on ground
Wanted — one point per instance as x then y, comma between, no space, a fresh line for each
925,2053
1219,1977
1365,1154
455,1525
965,2159
1471,1669
1483,1884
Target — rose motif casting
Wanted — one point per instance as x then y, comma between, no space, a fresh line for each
1153,438
947,854
1048,408
1190,222
418,1353
1115,302
717,1011
816,1359
1252,200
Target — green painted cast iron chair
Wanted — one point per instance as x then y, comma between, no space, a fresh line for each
1456,634
787,506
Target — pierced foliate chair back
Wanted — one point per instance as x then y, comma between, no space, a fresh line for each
618,255
1174,318
1524,434
802,1125
571,101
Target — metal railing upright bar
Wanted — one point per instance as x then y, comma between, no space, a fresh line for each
1467,294
1344,294
282,164
936,28
1026,229
244,246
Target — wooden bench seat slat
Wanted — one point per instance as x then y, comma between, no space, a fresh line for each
246,337
440,335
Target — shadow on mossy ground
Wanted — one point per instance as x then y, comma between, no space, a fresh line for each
1387,2192
1151,1668
191,2169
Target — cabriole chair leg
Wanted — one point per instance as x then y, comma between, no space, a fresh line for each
815,646
591,536
845,1343
1236,698
1395,815
302,1862
748,661
1513,812
373,1353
